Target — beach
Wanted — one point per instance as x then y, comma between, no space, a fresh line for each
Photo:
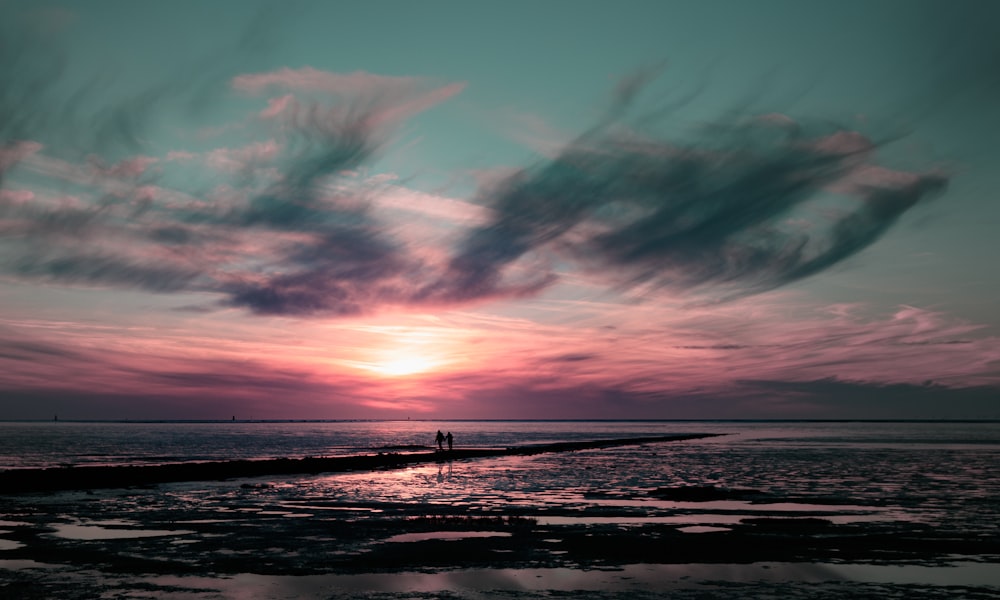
817,511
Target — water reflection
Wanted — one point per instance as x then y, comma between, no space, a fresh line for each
76,531
444,471
444,535
9,544
646,577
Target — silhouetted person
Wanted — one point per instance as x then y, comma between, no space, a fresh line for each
450,439
439,438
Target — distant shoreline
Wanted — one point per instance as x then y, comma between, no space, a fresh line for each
224,421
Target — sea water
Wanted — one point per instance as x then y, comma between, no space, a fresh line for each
69,443
942,473
62,443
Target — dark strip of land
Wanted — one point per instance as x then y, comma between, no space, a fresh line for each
94,477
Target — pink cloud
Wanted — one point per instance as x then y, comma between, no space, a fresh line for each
14,153
881,177
491,366
130,168
236,159
417,104
858,151
276,106
844,142
16,196
145,193
308,79
380,100
778,119
650,349
391,198
661,355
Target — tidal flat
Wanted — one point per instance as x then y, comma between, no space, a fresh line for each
716,517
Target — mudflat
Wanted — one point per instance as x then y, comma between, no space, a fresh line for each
481,526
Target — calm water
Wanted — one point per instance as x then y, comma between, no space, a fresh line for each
45,444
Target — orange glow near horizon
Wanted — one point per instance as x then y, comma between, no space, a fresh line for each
400,364
406,352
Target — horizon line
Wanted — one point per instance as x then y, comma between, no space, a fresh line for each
516,420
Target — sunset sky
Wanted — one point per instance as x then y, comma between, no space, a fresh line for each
558,209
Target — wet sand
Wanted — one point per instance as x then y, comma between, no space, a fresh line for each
399,534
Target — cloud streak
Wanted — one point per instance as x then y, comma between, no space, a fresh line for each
747,206
278,232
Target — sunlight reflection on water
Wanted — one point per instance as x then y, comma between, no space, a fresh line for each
444,535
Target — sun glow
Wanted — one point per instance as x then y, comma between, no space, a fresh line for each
404,351
400,365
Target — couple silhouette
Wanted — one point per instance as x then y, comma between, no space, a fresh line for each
440,439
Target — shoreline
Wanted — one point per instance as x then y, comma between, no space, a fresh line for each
54,479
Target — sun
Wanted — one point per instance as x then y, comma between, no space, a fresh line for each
399,366
405,352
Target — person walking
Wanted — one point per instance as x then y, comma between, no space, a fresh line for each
451,440
439,438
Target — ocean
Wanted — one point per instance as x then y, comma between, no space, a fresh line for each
819,509
63,443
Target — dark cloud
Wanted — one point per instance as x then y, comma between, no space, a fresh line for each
837,399
173,234
345,272
33,351
110,270
574,357
736,211
756,399
38,221
548,399
715,347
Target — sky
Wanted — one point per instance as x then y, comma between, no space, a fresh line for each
509,210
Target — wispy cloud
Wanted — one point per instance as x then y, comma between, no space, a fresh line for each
14,152
748,205
279,225
273,233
